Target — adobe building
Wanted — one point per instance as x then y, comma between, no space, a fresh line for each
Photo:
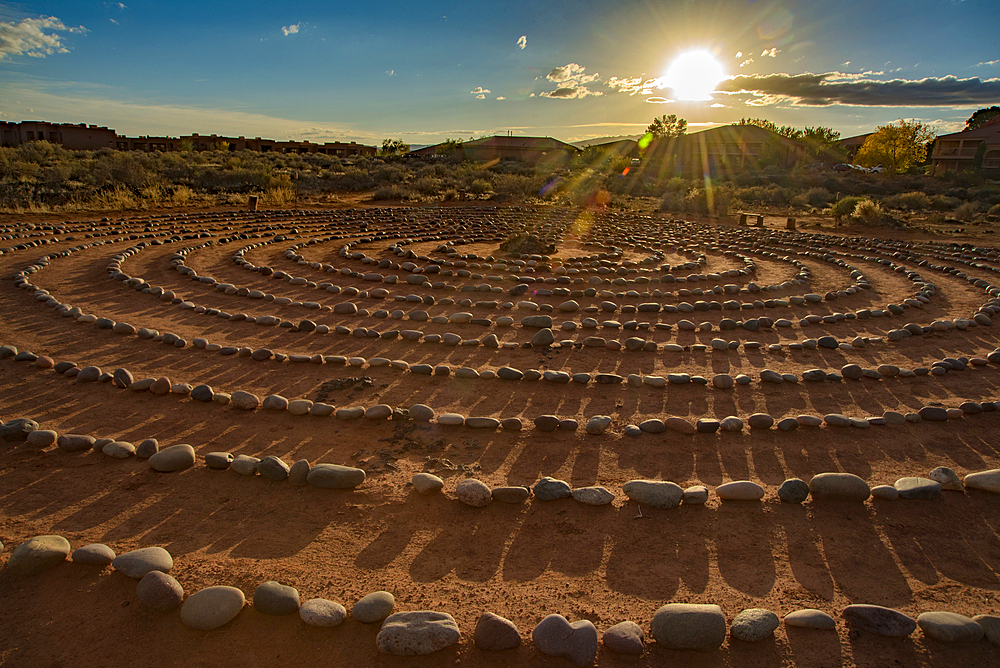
80,137
968,151
722,150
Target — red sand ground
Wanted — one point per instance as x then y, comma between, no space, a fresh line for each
522,562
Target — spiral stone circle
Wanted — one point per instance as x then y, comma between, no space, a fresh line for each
641,367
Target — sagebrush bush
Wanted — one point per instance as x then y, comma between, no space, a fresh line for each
911,201
868,211
845,206
994,210
967,211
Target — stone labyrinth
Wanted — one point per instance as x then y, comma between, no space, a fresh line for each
661,436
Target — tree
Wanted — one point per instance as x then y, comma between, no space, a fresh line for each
822,143
391,147
782,130
982,117
667,127
896,146
449,148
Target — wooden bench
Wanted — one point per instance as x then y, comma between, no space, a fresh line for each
758,220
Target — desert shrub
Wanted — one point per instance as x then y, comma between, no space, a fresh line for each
117,198
480,187
911,201
944,202
277,196
967,211
427,185
868,211
845,206
994,210
818,197
393,192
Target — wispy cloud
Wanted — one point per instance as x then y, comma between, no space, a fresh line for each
292,29
113,21
391,73
770,53
746,62
522,41
857,90
659,100
739,54
501,97
36,38
987,63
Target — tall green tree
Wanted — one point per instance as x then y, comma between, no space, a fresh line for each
896,146
391,147
667,127
982,116
782,130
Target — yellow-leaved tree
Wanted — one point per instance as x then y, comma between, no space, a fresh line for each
896,146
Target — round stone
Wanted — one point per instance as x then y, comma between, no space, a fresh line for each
374,607
426,483
334,476
838,487
593,496
95,554
273,468
949,627
760,421
654,493
159,591
273,598
550,489
809,618
740,490
879,620
37,555
17,430
473,493
624,638
137,563
494,633
41,438
417,633
210,608
321,612
576,642
174,458
754,624
511,494
689,626
793,490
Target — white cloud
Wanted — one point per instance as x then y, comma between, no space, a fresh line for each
571,92
987,63
480,97
636,85
658,100
522,41
121,5
479,90
29,37
391,72
571,72
572,80
113,21
739,54
770,53
746,62
292,29
501,97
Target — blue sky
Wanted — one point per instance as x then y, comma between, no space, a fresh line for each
426,71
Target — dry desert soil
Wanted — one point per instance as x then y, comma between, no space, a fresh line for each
605,563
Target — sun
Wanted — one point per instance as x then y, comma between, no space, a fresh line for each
694,75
